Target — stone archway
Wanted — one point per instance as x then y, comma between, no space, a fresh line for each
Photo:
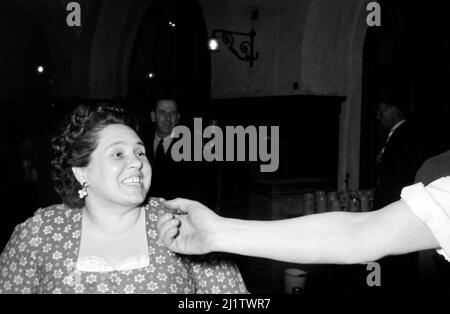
114,40
176,57
112,44
332,65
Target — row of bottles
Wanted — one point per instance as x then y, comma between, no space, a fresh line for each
349,201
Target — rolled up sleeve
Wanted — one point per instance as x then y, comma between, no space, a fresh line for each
431,204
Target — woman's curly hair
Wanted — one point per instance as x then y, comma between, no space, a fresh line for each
75,142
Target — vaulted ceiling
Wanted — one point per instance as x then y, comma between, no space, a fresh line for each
308,42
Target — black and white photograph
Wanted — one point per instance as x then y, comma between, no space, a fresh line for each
265,149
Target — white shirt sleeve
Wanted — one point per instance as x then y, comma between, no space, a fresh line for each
432,205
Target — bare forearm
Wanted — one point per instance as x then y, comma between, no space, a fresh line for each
335,238
324,238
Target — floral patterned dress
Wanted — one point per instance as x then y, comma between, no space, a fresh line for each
42,257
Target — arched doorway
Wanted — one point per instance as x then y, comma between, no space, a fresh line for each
406,57
170,56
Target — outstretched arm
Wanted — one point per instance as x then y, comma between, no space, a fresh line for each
337,237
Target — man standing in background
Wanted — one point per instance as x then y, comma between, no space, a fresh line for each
166,173
399,159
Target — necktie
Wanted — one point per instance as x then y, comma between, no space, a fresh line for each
159,154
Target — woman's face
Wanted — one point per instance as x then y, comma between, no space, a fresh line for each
118,171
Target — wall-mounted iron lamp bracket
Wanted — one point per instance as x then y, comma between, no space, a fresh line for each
246,50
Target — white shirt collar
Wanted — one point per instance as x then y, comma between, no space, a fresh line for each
395,127
166,142
171,136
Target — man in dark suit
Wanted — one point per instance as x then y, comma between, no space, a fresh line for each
167,175
195,180
398,160
397,163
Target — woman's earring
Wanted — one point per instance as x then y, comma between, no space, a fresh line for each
82,193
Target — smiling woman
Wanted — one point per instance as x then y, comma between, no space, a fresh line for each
118,172
103,238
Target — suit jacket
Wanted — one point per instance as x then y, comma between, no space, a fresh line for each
398,165
168,176
187,179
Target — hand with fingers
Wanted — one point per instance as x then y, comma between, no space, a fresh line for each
188,233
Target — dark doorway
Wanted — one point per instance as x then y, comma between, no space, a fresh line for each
406,56
170,56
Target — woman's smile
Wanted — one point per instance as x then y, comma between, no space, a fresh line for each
134,181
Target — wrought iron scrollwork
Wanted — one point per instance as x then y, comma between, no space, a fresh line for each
246,50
